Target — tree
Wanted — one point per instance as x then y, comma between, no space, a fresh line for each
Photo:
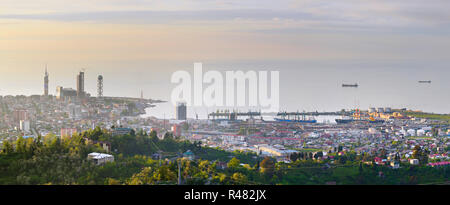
367,157
293,157
238,178
142,178
21,145
7,147
233,163
342,159
420,154
203,165
93,134
267,166
320,154
111,181
164,174
141,132
132,132
154,136
168,135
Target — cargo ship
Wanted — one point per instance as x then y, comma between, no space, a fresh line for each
424,81
350,85
343,121
295,121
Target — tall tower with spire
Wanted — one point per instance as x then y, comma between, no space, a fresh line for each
46,81
100,86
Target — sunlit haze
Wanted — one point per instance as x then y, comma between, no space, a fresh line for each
140,43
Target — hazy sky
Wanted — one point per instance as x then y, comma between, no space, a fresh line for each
107,35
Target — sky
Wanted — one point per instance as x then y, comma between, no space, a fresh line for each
110,36
94,30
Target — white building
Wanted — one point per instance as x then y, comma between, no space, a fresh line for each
420,133
414,161
25,125
411,132
273,151
100,158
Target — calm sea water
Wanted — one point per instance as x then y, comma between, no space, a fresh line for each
304,85
318,87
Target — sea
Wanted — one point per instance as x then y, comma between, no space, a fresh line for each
317,86
312,85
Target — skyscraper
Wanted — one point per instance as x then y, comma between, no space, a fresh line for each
46,81
100,86
80,84
181,111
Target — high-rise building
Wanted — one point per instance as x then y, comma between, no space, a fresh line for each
19,115
24,125
46,82
181,112
100,86
65,93
80,84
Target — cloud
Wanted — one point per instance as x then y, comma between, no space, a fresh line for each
378,11
344,29
257,15
318,17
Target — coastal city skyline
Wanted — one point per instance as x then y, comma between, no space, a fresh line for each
384,46
355,98
225,92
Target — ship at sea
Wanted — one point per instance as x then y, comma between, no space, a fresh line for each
343,121
350,85
424,81
296,119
